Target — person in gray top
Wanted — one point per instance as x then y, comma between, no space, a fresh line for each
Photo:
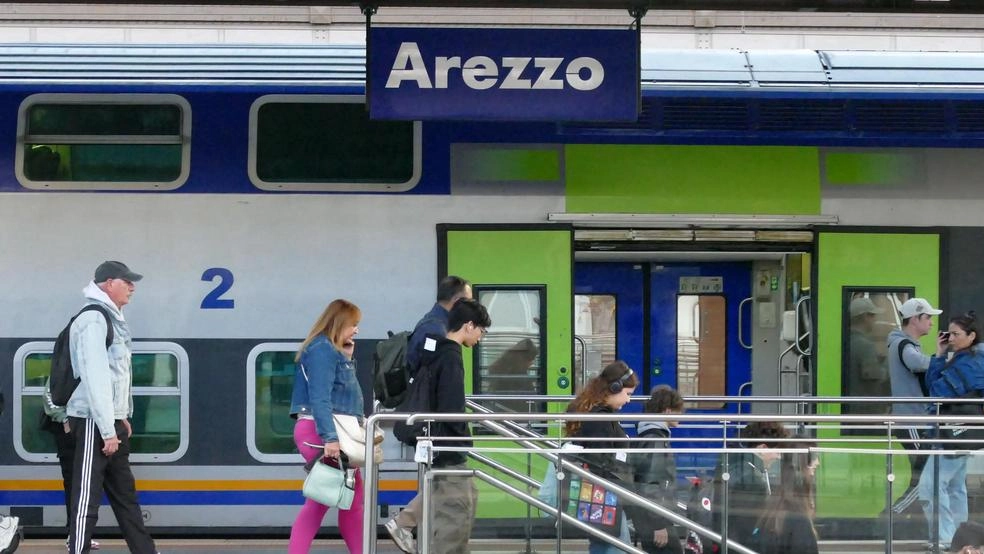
906,368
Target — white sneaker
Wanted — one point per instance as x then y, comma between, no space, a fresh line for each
93,544
402,537
9,536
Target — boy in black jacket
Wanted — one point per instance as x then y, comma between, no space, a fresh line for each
453,497
655,474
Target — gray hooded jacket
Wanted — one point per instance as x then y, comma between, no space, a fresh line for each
905,371
104,394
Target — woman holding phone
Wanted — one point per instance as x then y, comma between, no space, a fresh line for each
961,374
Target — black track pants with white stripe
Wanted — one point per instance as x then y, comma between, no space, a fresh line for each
94,473
916,463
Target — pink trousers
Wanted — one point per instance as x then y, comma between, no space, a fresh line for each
309,518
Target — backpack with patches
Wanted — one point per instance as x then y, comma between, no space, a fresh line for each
390,375
62,381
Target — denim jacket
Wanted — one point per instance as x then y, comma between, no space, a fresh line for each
104,393
961,375
325,383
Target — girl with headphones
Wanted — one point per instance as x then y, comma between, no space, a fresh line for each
605,394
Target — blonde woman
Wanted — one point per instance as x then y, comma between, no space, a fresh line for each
325,383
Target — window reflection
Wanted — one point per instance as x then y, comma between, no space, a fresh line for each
508,359
869,316
595,324
156,417
274,385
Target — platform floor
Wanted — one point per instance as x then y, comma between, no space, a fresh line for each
279,546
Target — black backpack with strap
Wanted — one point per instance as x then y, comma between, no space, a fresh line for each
390,375
421,398
900,348
62,381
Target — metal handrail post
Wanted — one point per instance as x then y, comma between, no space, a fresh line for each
726,479
424,525
370,483
935,535
889,481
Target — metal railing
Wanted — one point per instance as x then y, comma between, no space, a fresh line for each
510,429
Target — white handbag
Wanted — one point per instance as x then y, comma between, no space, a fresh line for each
352,436
352,440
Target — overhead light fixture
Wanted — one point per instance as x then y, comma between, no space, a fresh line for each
617,220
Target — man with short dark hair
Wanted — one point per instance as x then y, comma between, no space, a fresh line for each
907,365
99,414
454,497
749,485
435,322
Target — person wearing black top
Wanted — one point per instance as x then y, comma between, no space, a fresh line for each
655,474
606,394
787,523
749,486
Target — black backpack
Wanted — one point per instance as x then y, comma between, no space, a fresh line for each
390,376
62,381
421,398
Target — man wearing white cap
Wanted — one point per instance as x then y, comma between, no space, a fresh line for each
867,374
906,367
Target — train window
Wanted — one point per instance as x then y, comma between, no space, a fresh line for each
701,338
328,143
508,360
103,141
160,402
594,326
869,315
269,384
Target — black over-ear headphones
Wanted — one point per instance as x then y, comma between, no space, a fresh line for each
617,385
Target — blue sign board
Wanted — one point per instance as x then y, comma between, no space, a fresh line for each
503,74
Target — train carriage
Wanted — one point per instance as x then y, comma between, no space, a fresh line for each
715,244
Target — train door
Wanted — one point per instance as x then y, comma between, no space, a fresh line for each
522,274
884,269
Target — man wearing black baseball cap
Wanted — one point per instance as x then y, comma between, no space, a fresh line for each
100,409
115,270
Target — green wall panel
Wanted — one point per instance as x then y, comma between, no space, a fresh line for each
854,484
521,257
692,179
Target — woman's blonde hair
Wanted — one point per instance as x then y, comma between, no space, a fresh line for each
336,317
598,389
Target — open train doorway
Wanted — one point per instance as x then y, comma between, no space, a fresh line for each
706,324
711,323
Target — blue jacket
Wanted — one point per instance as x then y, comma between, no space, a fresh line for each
957,377
325,383
104,393
434,322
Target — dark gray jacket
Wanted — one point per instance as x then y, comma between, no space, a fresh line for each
655,476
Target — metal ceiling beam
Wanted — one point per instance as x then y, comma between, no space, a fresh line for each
873,6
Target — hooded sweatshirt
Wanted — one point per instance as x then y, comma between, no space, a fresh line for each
655,477
442,357
104,393
906,371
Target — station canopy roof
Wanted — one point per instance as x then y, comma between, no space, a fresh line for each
877,6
